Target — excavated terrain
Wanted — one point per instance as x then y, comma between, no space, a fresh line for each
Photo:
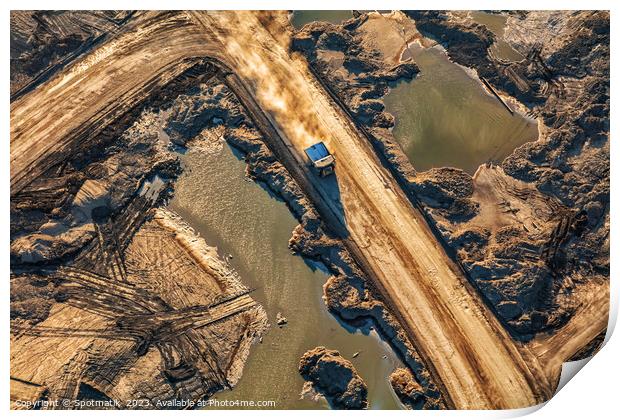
114,298
334,377
134,305
57,220
44,41
407,388
169,322
549,231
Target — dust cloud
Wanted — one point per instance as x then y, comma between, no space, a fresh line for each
280,90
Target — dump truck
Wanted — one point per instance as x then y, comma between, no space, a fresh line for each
320,159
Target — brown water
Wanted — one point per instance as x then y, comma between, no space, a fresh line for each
301,17
496,23
445,118
243,220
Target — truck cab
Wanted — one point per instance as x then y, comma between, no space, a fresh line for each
321,160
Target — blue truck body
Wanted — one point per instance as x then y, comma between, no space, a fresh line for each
317,152
321,159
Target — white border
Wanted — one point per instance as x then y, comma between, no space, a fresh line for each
592,394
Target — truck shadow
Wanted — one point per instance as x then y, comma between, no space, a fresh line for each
330,206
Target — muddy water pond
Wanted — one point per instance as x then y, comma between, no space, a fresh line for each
252,229
301,17
444,117
496,23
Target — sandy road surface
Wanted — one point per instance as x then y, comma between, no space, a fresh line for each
477,362
589,320
471,356
94,91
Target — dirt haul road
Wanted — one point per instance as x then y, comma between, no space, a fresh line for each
589,320
81,101
469,353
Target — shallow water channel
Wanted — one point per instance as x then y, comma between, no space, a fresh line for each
242,219
444,117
